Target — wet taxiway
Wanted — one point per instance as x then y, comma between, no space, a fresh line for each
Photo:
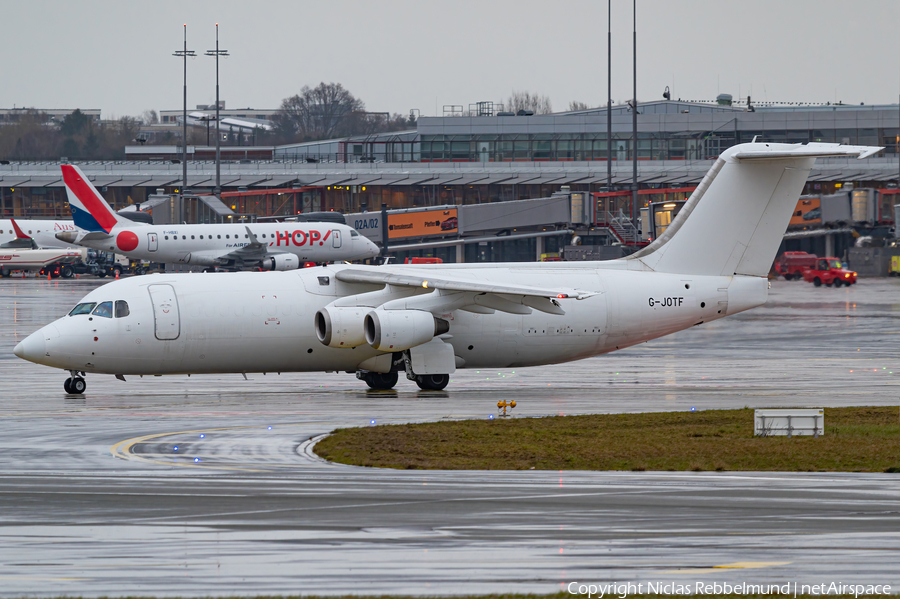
96,499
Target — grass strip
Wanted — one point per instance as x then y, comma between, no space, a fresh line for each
856,440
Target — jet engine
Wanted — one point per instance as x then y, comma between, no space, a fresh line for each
341,327
281,262
396,330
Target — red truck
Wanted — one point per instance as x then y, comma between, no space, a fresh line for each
791,265
829,271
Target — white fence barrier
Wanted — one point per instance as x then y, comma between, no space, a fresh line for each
789,422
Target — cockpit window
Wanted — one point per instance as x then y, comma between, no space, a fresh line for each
84,308
103,309
122,309
353,233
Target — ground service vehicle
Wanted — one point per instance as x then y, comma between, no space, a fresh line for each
895,266
423,260
829,271
427,320
54,262
791,265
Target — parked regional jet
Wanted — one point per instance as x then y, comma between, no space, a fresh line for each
24,254
429,320
42,231
270,246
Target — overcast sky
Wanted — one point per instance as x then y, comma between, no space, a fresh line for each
400,54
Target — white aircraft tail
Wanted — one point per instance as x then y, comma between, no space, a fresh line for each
735,220
89,210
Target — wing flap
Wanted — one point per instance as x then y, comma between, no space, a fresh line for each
387,277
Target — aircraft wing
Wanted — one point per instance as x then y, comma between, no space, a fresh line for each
250,253
466,294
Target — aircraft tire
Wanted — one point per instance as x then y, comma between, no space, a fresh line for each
381,381
77,386
67,385
432,382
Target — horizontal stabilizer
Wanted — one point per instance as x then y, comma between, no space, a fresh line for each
813,150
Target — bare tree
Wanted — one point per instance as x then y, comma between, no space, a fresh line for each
150,117
322,112
575,105
528,101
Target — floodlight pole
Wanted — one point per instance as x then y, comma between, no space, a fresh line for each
217,53
634,107
184,54
609,97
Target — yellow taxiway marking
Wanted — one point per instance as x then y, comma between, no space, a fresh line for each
731,566
122,449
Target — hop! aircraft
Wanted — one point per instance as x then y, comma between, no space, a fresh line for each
270,246
428,320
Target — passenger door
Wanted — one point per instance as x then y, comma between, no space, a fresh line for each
152,242
166,318
336,238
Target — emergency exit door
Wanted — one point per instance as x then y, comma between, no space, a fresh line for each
166,319
336,238
152,242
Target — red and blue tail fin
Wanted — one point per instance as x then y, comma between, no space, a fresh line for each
89,210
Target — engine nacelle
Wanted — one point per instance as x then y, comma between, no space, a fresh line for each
341,327
396,330
281,262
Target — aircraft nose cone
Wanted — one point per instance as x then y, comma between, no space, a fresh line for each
67,236
32,348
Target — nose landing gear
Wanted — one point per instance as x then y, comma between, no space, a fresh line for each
75,384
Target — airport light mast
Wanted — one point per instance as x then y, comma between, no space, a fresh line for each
184,54
634,107
217,53
609,96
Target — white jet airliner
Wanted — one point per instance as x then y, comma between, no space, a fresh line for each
42,231
429,320
270,246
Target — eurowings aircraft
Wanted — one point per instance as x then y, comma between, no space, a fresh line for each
428,320
270,246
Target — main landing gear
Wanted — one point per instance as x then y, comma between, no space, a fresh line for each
378,380
432,382
75,384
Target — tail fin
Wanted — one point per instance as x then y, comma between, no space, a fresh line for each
737,216
22,240
89,210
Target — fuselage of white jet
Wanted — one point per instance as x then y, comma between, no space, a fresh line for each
264,322
228,244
